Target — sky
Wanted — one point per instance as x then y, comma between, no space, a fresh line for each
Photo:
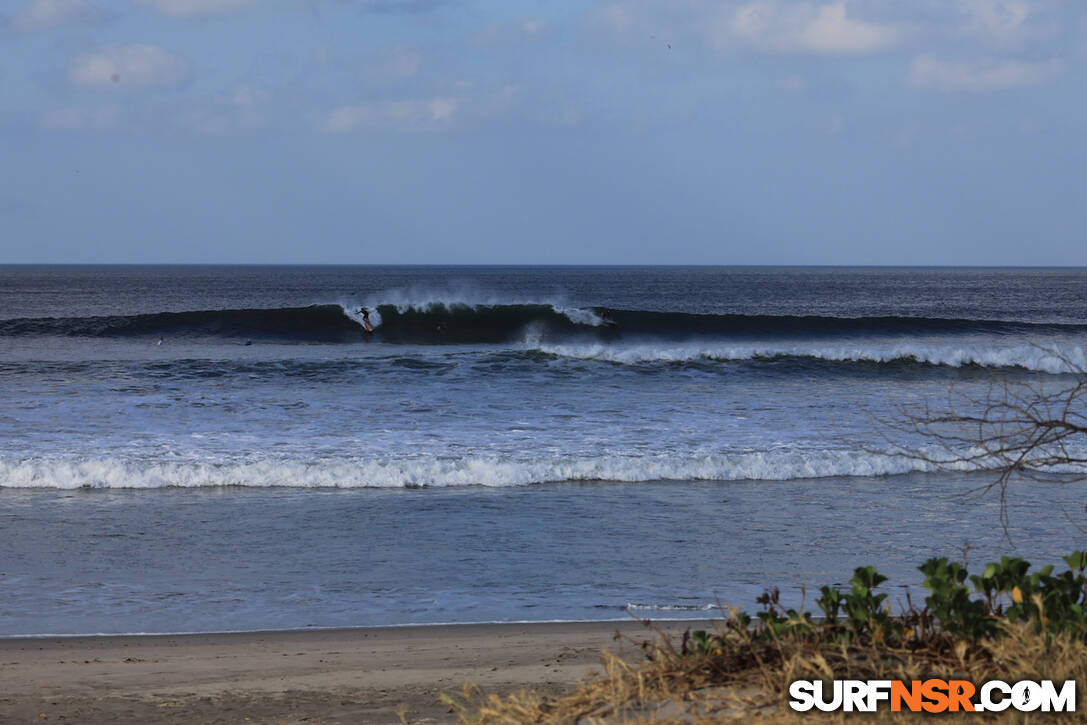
868,132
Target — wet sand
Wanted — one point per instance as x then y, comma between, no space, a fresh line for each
364,675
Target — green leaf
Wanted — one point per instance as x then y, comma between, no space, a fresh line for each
1077,560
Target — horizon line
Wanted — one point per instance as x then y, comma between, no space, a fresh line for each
428,265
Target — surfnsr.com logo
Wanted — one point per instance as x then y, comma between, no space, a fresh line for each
933,696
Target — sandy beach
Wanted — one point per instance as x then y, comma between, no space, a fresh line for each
363,675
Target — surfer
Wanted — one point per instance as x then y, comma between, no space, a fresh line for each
605,319
366,324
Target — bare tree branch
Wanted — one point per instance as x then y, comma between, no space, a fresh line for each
1032,428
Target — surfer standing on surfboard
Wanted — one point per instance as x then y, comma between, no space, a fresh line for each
366,324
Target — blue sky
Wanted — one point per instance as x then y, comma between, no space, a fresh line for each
547,131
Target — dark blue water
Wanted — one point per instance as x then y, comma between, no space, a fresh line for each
199,448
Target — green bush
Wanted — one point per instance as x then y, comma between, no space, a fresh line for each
1005,592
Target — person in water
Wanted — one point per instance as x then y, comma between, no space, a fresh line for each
366,324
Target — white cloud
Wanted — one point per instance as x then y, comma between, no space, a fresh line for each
396,63
247,103
201,8
793,84
514,32
979,76
247,97
535,26
72,119
45,14
496,102
206,123
195,8
424,114
565,117
397,115
999,18
832,31
383,65
222,113
616,17
977,28
441,109
127,67
775,26
650,25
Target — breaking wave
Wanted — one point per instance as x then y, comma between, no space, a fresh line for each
777,465
432,323
463,323
1052,359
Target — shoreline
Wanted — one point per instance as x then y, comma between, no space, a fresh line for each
408,625
353,675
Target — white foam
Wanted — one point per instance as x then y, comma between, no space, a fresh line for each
579,316
634,606
1053,359
351,312
425,301
778,464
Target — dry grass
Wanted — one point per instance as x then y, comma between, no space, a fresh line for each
749,681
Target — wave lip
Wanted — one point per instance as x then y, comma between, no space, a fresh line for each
462,323
492,471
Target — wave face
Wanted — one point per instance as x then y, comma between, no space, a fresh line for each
317,323
461,323
435,323
456,323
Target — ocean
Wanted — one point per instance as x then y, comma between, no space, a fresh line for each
202,448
